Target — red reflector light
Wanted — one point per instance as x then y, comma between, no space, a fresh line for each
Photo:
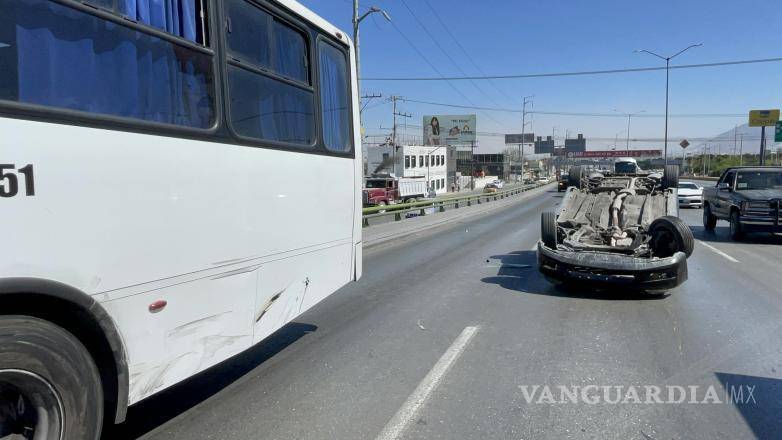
157,306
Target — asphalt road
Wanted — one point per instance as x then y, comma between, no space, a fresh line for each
389,356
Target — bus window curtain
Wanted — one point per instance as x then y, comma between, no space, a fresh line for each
177,17
74,60
333,96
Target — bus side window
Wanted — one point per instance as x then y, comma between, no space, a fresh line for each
269,88
334,98
64,58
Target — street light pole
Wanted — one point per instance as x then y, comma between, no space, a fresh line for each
356,21
667,82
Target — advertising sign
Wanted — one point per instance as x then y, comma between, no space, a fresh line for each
449,129
614,153
763,118
517,138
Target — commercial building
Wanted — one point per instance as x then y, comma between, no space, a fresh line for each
493,165
428,162
577,144
544,147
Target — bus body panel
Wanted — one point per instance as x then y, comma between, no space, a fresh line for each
197,250
215,230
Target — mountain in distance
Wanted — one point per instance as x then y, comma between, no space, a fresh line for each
725,144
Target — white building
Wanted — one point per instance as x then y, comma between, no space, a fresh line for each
428,162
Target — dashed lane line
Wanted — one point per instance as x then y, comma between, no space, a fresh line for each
397,425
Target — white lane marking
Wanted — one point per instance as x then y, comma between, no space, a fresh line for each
396,426
719,252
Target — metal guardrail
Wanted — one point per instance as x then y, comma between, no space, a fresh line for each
400,211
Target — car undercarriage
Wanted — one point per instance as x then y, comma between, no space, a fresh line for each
617,229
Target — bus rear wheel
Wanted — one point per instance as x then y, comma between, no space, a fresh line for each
49,385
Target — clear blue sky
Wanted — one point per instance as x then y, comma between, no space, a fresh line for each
541,36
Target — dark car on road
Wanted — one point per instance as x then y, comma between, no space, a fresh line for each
747,197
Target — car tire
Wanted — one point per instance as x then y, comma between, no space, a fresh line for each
382,203
709,219
48,380
670,176
548,229
736,231
670,235
575,176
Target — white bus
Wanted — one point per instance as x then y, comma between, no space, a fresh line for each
178,180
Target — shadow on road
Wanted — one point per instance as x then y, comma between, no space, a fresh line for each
530,281
721,234
171,402
762,410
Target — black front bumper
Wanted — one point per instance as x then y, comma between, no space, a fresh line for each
606,270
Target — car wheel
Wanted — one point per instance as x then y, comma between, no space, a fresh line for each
670,176
548,229
670,235
49,385
709,220
736,231
574,176
382,204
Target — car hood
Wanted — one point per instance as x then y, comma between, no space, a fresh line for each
760,194
690,192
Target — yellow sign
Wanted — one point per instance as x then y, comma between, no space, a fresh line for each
763,118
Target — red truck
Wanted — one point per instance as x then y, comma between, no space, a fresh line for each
381,190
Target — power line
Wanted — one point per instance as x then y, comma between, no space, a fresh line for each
611,115
436,43
578,73
464,51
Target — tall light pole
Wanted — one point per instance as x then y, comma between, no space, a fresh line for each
616,138
629,115
357,19
527,100
667,78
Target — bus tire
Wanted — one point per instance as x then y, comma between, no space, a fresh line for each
45,370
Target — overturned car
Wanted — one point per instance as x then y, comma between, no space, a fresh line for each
617,229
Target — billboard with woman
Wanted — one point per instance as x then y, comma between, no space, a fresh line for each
449,130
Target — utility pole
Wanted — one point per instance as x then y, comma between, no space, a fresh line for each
527,100
369,98
741,149
703,160
629,116
394,145
735,138
472,171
